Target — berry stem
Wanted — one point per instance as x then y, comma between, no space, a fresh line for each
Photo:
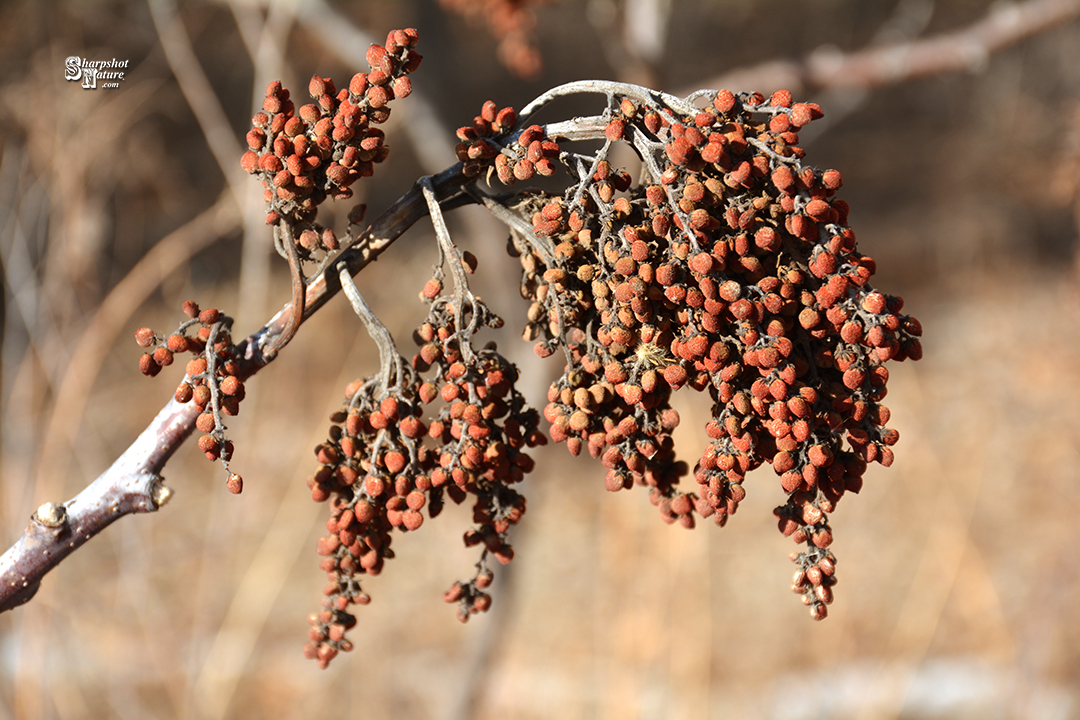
464,300
390,360
610,88
285,240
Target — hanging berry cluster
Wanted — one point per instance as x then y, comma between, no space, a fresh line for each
384,463
729,268
212,380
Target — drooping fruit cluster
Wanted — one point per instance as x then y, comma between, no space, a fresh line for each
384,465
212,380
376,474
731,268
481,431
304,155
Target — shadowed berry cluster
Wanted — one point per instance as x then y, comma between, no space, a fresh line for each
386,461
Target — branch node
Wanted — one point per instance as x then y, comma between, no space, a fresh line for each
160,494
51,515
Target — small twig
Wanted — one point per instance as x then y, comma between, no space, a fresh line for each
215,387
389,357
609,88
283,236
582,128
462,295
516,222
601,154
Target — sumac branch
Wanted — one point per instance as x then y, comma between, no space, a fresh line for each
720,263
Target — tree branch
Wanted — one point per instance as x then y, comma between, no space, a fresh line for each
133,484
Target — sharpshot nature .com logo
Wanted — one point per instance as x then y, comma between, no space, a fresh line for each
110,73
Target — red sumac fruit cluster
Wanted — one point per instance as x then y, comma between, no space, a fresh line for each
212,379
729,269
386,463
304,154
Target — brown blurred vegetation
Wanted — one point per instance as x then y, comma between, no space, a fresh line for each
959,594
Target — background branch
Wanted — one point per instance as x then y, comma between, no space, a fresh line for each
967,49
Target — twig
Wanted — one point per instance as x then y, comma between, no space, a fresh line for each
132,485
969,48
390,360
462,294
516,223
283,234
609,88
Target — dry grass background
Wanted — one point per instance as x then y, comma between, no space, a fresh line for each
960,589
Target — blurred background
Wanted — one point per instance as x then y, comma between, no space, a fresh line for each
959,593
